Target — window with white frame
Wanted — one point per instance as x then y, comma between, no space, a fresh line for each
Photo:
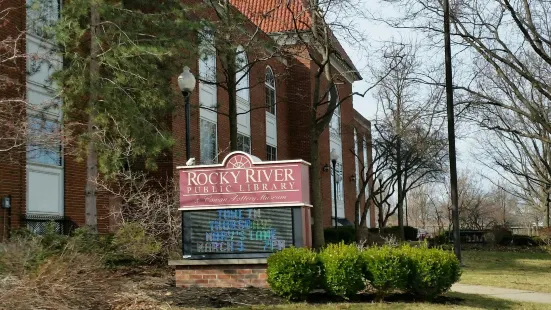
366,164
242,74
335,124
45,172
44,141
207,58
42,15
337,184
243,101
270,89
357,168
208,142
208,136
244,143
271,153
271,111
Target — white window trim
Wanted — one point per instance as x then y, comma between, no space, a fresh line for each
272,87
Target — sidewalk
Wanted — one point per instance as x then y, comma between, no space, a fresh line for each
503,293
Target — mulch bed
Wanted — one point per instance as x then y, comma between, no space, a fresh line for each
159,284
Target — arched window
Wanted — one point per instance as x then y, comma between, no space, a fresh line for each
242,73
270,86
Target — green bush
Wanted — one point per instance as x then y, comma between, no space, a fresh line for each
346,234
432,271
502,235
342,269
386,269
293,272
132,245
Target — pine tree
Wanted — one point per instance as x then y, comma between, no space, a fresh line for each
119,59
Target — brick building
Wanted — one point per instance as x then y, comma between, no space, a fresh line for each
51,183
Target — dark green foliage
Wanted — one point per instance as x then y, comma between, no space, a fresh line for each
143,46
421,271
432,271
521,240
131,245
387,269
342,267
440,239
293,272
502,235
409,232
346,234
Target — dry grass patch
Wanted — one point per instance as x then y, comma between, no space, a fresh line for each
68,281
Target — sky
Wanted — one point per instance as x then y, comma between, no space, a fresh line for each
376,34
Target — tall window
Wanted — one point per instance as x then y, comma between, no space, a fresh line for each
44,142
244,143
271,120
271,153
45,171
335,124
207,98
243,101
41,16
207,59
364,144
270,91
208,142
242,75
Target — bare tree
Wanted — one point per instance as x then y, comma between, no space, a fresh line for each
408,131
311,37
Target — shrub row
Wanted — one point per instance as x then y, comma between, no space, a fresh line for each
344,270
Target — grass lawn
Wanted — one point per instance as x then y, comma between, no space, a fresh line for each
461,302
528,271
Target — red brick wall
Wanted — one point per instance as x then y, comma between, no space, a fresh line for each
221,276
294,87
12,86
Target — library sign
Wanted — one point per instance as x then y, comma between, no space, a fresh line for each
244,207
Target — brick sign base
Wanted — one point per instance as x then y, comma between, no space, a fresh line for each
220,273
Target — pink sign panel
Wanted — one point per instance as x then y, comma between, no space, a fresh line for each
243,180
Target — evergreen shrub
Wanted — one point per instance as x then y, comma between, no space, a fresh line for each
387,269
342,267
432,271
293,272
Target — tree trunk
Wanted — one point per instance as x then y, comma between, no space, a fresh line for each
399,172
451,129
547,207
232,98
315,177
91,219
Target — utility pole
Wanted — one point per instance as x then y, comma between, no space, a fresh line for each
451,131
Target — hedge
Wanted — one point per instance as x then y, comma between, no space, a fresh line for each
293,272
343,270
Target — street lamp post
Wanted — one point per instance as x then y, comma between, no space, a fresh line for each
186,82
334,157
